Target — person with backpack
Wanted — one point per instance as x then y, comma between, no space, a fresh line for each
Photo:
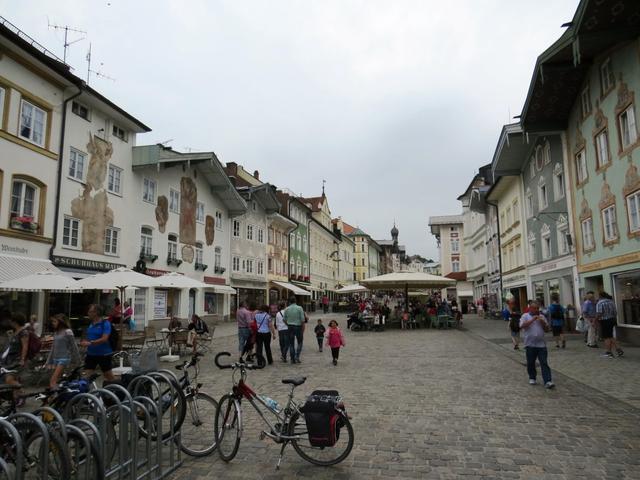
335,340
265,332
64,350
556,318
17,353
99,349
283,333
514,323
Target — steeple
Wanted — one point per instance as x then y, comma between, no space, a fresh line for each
394,233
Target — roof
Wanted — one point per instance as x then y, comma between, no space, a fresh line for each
561,70
357,232
264,194
478,176
385,242
511,151
145,156
22,41
315,203
457,275
445,220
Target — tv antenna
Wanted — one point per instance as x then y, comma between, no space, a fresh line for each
67,29
97,73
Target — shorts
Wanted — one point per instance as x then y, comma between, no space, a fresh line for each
515,333
606,328
103,361
61,361
557,330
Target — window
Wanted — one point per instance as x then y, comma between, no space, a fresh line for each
587,234
545,233
254,206
114,184
609,224
305,269
455,245
299,266
249,266
581,167
518,254
298,242
292,268
304,244
199,212
563,230
119,132
547,153
260,235
249,232
71,232
146,240
532,167
217,258
532,249
260,267
77,161
236,228
543,197
199,254
270,265
2,95
558,182
32,123
363,262
585,102
529,204
111,237
633,212
172,248
149,190
218,220
292,241
628,131
235,264
23,200
80,110
174,201
602,149
516,207
455,265
270,239
607,80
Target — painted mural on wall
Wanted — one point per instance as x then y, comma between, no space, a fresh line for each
162,213
188,203
209,230
92,205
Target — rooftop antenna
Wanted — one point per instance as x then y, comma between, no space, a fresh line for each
323,182
67,29
97,73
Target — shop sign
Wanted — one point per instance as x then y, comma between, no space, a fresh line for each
152,272
84,264
514,279
160,304
16,250
214,280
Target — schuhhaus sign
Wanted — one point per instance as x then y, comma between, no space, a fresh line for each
84,264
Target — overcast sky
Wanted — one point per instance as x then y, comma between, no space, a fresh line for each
395,103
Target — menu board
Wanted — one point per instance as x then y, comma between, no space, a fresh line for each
160,304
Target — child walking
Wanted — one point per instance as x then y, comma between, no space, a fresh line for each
319,333
64,351
335,340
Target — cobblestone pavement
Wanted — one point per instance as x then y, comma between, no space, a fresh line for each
438,404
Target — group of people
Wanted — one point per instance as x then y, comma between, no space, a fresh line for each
258,326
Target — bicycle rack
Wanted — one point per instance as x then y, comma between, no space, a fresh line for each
12,432
86,444
148,421
94,438
99,415
131,427
50,416
37,423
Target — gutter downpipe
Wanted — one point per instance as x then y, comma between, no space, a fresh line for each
495,205
59,179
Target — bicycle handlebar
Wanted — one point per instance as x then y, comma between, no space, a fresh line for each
240,364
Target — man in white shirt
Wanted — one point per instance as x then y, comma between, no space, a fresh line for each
283,333
533,325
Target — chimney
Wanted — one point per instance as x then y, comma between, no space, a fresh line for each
232,168
256,174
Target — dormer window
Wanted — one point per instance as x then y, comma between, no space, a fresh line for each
119,133
80,110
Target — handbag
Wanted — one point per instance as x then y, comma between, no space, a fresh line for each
581,325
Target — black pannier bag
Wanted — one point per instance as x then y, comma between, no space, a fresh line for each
323,418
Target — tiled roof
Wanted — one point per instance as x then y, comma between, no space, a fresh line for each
445,220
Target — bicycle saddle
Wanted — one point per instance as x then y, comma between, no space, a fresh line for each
294,381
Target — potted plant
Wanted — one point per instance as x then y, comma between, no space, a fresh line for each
24,223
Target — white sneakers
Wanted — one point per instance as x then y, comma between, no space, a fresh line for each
532,381
549,385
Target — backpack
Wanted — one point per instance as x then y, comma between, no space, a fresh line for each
35,344
323,418
556,312
114,336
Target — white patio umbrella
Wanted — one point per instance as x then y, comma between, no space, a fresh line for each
352,289
177,280
120,278
47,280
406,280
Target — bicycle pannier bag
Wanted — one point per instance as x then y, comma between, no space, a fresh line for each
322,418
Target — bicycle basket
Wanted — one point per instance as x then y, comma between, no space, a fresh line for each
144,361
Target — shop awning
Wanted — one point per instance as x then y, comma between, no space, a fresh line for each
223,289
13,266
291,287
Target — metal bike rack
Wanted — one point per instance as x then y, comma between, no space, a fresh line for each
99,415
145,466
57,419
86,426
86,443
173,440
12,432
37,423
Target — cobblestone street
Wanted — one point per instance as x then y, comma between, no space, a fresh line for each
445,404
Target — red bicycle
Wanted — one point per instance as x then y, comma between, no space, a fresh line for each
319,430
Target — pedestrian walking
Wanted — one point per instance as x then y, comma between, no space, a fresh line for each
589,315
64,350
265,332
15,355
97,342
607,317
319,331
294,317
243,318
325,303
335,340
514,324
533,325
283,332
556,317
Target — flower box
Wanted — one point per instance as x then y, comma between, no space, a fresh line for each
24,223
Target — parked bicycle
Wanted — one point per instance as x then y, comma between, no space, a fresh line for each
319,431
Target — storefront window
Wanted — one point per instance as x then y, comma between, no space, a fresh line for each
16,302
538,291
554,287
627,296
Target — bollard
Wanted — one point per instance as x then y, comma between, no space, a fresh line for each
11,432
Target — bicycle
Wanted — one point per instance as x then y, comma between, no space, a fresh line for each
197,435
289,426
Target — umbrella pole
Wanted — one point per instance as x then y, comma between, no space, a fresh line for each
121,318
406,296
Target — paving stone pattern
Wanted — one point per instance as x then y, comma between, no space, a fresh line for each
437,404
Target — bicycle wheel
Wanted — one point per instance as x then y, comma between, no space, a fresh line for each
198,436
58,461
176,407
84,464
324,456
228,427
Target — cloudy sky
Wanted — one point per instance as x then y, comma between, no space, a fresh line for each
394,103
